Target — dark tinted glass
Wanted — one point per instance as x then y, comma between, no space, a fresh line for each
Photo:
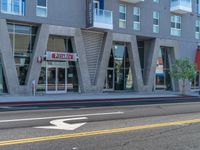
42,3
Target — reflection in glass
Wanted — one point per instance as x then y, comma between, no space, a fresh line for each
3,88
51,79
72,78
42,79
22,39
61,79
57,44
163,78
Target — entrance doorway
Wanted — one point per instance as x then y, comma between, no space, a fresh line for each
109,82
119,74
58,73
56,78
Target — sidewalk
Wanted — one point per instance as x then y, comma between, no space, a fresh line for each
79,98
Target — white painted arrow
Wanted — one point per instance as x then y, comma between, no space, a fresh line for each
60,124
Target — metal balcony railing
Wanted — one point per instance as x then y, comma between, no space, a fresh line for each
103,18
181,6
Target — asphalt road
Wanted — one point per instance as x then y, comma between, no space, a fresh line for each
168,126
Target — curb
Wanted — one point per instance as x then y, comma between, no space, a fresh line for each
99,100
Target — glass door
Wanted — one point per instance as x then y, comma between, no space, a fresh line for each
61,75
56,80
109,82
51,79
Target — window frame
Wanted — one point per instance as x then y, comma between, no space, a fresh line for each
158,20
38,7
11,7
197,32
176,20
137,23
125,12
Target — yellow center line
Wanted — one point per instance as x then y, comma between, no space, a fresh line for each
93,133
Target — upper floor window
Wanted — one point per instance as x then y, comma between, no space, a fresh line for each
41,9
197,29
176,25
136,15
122,16
156,17
198,7
156,1
15,7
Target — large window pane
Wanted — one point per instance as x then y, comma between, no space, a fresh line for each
22,41
41,9
16,7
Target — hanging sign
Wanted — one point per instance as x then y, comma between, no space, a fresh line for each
61,56
89,13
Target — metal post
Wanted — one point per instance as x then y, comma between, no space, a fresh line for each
33,87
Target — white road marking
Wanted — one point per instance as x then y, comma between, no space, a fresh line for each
60,124
55,117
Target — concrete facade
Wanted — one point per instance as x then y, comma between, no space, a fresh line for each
67,19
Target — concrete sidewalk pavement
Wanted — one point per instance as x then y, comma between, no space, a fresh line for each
79,98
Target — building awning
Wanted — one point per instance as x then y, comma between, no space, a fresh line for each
197,59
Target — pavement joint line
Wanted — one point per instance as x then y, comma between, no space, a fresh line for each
95,133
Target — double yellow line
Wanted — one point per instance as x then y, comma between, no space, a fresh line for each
94,133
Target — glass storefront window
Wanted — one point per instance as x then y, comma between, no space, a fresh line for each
42,79
162,76
72,78
3,87
57,44
22,39
195,81
122,74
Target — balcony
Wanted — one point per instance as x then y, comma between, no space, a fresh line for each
102,19
132,1
181,6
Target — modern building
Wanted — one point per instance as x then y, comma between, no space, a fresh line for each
61,46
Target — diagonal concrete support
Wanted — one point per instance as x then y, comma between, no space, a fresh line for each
149,73
104,59
136,66
82,67
7,59
38,50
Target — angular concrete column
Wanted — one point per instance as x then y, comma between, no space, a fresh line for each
136,66
103,62
82,67
149,73
39,49
7,59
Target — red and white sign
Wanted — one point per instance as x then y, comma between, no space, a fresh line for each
61,56
39,59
